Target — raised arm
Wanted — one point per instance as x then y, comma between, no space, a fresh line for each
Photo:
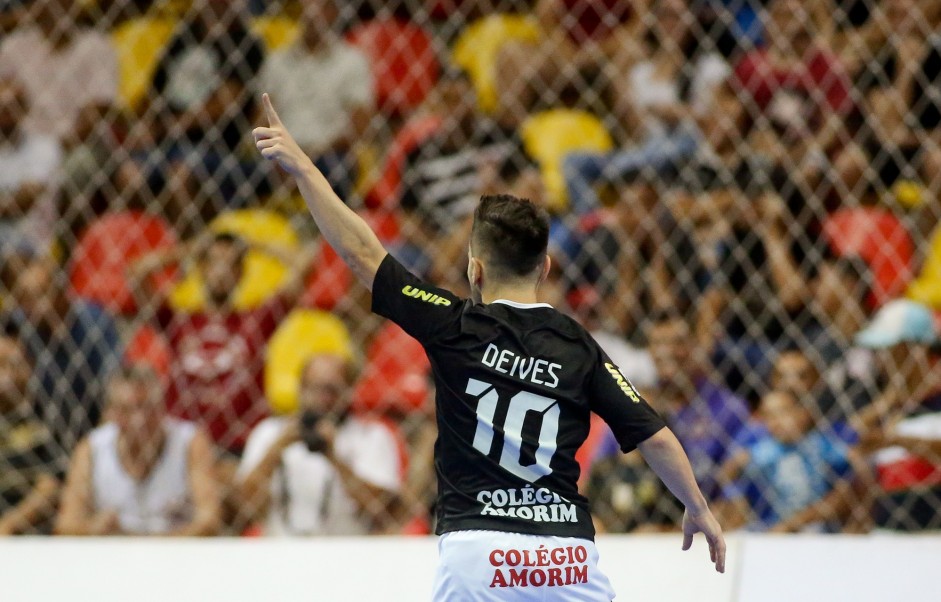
666,457
346,232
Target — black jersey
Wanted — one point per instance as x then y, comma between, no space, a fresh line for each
515,388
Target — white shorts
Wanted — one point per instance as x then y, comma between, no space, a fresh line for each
480,566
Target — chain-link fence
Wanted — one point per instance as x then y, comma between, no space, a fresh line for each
744,200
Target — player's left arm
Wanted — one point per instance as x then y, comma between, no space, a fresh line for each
636,425
666,457
346,232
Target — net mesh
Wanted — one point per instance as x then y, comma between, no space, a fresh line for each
737,188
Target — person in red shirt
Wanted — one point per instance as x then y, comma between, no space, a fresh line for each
217,352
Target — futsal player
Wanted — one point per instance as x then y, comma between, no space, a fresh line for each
516,382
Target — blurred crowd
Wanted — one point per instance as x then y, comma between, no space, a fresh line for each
744,197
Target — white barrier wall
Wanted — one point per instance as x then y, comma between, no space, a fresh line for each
760,568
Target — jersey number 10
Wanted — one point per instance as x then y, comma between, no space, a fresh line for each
520,407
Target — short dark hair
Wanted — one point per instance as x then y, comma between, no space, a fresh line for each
512,233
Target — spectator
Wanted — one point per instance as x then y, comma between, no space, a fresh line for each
797,82
217,353
72,344
639,257
29,162
203,96
791,475
904,423
90,186
30,459
666,93
732,26
65,68
892,85
443,176
566,59
795,373
840,288
756,298
324,88
141,473
324,471
706,417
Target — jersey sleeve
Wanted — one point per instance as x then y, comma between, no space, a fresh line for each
423,311
612,396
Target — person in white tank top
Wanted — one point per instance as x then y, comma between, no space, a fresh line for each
140,473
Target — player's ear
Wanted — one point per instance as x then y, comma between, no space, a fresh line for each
474,271
546,266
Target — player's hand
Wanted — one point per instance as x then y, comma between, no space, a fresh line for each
276,143
708,526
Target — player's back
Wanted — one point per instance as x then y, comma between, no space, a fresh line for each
515,387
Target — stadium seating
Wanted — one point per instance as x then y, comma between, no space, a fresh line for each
403,61
864,183
146,346
108,247
550,135
881,239
329,282
927,287
395,378
139,44
275,32
387,190
477,48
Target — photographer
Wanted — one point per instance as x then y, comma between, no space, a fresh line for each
322,471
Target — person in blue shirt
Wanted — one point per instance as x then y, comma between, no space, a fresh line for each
791,474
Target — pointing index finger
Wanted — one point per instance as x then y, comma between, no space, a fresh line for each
273,119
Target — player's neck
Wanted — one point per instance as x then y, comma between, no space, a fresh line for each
517,294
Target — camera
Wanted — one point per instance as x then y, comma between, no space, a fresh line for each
309,433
